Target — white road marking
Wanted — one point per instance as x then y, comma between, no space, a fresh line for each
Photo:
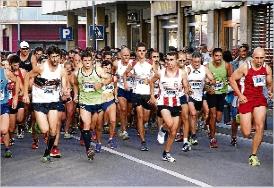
151,165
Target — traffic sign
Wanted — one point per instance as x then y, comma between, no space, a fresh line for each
66,33
99,32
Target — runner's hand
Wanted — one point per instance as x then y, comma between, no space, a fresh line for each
26,99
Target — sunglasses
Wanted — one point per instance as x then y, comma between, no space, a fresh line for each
25,48
155,56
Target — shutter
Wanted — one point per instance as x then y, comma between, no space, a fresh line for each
262,30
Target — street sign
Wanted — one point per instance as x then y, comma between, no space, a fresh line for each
66,33
99,32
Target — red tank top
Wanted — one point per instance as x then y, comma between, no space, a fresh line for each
11,88
254,82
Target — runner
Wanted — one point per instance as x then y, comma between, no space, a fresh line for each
109,96
5,76
252,103
124,96
172,79
216,99
142,73
16,115
197,75
241,59
49,83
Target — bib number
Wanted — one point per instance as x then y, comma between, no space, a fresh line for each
88,87
196,85
259,80
219,86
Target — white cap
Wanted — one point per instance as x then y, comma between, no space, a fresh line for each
24,44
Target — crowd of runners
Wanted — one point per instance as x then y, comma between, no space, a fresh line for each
52,90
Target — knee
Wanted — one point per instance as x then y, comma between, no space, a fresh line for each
246,134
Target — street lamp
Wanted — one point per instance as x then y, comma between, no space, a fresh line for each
18,24
93,23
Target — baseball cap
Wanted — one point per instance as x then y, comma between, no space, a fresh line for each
24,44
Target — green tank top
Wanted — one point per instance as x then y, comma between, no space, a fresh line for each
220,75
87,93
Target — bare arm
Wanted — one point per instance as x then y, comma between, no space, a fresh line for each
15,79
269,83
185,83
209,76
34,72
33,60
75,84
237,75
129,68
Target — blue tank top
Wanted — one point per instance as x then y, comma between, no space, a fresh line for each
4,93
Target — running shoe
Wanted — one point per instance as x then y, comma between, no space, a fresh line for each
90,153
112,143
20,135
67,135
213,143
34,144
124,135
168,157
254,161
186,147
46,159
98,148
144,146
11,141
179,137
55,152
161,136
7,154
193,140
233,141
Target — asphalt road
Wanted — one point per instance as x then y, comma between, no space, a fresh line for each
127,166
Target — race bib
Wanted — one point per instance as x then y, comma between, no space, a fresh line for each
2,95
142,81
108,88
196,84
259,80
88,87
219,85
170,92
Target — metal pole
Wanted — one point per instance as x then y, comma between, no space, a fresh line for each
93,22
18,24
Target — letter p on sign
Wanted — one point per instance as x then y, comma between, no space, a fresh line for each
66,33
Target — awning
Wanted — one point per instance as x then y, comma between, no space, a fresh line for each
258,2
205,5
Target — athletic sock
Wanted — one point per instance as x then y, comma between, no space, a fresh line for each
86,137
49,146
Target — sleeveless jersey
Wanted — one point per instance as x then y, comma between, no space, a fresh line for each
254,82
4,93
170,88
26,64
47,86
11,87
196,79
119,73
220,75
142,73
87,93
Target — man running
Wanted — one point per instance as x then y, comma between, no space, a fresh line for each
49,83
252,101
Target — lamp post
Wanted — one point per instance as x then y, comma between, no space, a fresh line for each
93,23
18,24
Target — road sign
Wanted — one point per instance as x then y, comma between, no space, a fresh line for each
99,32
66,33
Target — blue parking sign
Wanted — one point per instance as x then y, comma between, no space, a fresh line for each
99,32
66,33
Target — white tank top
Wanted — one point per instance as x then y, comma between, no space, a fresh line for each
196,79
170,89
119,73
50,91
142,72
